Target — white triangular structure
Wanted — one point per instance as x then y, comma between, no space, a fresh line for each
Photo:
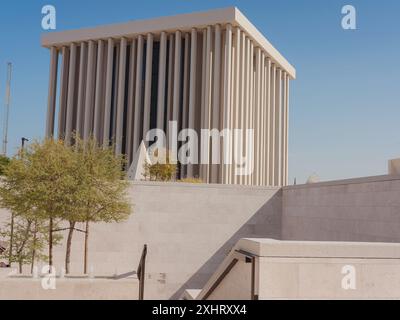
136,171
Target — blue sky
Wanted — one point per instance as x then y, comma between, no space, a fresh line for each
345,103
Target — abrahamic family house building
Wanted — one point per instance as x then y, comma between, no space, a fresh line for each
208,70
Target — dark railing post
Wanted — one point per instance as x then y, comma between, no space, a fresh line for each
141,272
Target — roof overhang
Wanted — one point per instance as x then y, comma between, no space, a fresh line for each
183,22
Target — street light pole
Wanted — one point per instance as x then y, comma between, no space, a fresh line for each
10,254
7,109
23,140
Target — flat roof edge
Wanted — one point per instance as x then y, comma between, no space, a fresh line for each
182,22
270,248
344,182
260,39
167,23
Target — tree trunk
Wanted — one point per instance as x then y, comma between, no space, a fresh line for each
11,240
86,248
21,249
69,242
50,244
34,245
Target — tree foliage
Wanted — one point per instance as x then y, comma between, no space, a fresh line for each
162,169
103,189
4,161
50,183
29,241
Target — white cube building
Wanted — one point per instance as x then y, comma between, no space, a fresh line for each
209,70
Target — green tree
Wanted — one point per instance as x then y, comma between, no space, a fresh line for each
4,161
103,188
10,190
51,182
14,185
25,230
40,180
50,164
29,241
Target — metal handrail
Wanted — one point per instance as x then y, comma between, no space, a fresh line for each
239,255
141,272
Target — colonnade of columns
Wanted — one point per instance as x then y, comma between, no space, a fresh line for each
210,78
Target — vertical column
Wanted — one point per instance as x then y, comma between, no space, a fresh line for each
80,117
98,104
237,107
272,125
192,89
138,95
102,96
253,107
257,120
283,130
170,93
206,107
278,124
233,105
267,115
114,105
147,90
131,101
63,93
90,79
177,77
216,99
121,97
266,85
251,112
203,102
51,101
71,93
246,114
202,170
108,94
243,72
287,130
185,102
227,107
161,81
262,121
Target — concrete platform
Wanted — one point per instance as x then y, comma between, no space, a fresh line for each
268,269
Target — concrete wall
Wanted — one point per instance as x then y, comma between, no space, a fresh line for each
236,285
310,270
69,289
189,229
321,278
365,209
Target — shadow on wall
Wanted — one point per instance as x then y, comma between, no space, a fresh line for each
265,223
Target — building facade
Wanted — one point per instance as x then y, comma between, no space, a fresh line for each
211,70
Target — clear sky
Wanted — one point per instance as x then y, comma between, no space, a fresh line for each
345,103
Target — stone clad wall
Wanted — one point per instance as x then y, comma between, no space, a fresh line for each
365,209
189,229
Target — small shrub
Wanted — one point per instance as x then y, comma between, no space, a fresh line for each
191,180
164,171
